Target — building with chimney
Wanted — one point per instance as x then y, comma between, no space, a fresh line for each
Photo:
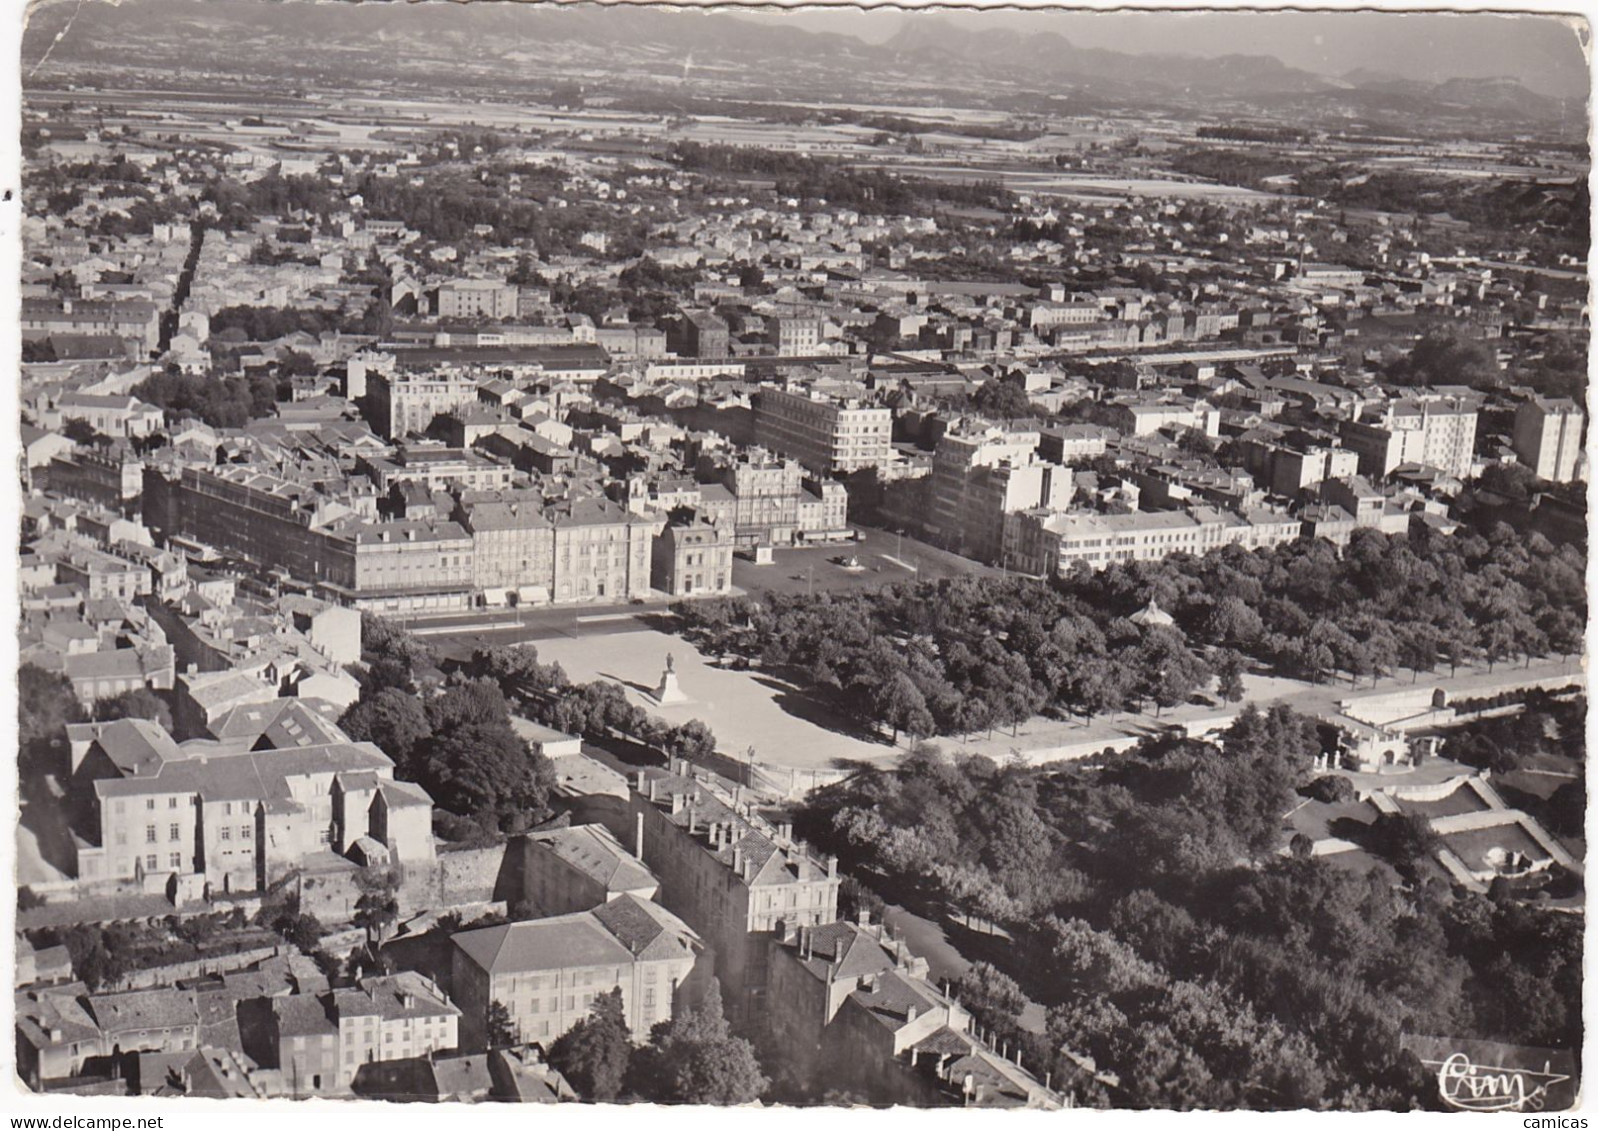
733,877
850,1005
564,871
492,299
236,813
692,558
320,1041
705,335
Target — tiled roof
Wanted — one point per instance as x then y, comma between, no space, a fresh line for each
890,998
144,1009
250,775
462,1076
623,930
646,929
135,746
386,998
40,1011
303,1015
592,850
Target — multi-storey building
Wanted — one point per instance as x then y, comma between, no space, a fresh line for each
765,494
262,517
401,566
826,435
1074,312
385,566
732,877
513,544
705,335
564,871
547,972
1047,544
997,491
600,552
123,416
1438,433
477,298
238,817
112,476
692,558
103,575
954,494
1286,471
59,1030
437,468
405,402
794,336
1548,437
135,321
1066,442
852,1006
823,510
1146,418
320,1041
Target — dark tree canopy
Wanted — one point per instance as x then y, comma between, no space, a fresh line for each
593,1054
695,1059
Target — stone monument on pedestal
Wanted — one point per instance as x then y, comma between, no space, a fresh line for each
668,693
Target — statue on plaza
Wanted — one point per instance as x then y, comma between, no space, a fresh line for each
668,693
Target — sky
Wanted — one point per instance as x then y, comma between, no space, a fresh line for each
1542,51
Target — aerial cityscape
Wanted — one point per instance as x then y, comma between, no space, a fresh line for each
927,558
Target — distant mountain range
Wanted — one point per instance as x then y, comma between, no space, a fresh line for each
639,42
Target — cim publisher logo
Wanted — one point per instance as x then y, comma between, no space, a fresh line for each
1490,1076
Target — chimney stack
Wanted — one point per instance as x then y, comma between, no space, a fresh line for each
832,867
737,860
638,837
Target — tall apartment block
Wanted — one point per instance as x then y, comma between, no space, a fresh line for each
1437,433
978,478
794,336
1548,437
826,435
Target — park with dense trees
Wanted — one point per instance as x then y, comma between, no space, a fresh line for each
1147,907
962,656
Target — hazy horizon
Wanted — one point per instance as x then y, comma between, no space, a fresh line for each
1541,50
